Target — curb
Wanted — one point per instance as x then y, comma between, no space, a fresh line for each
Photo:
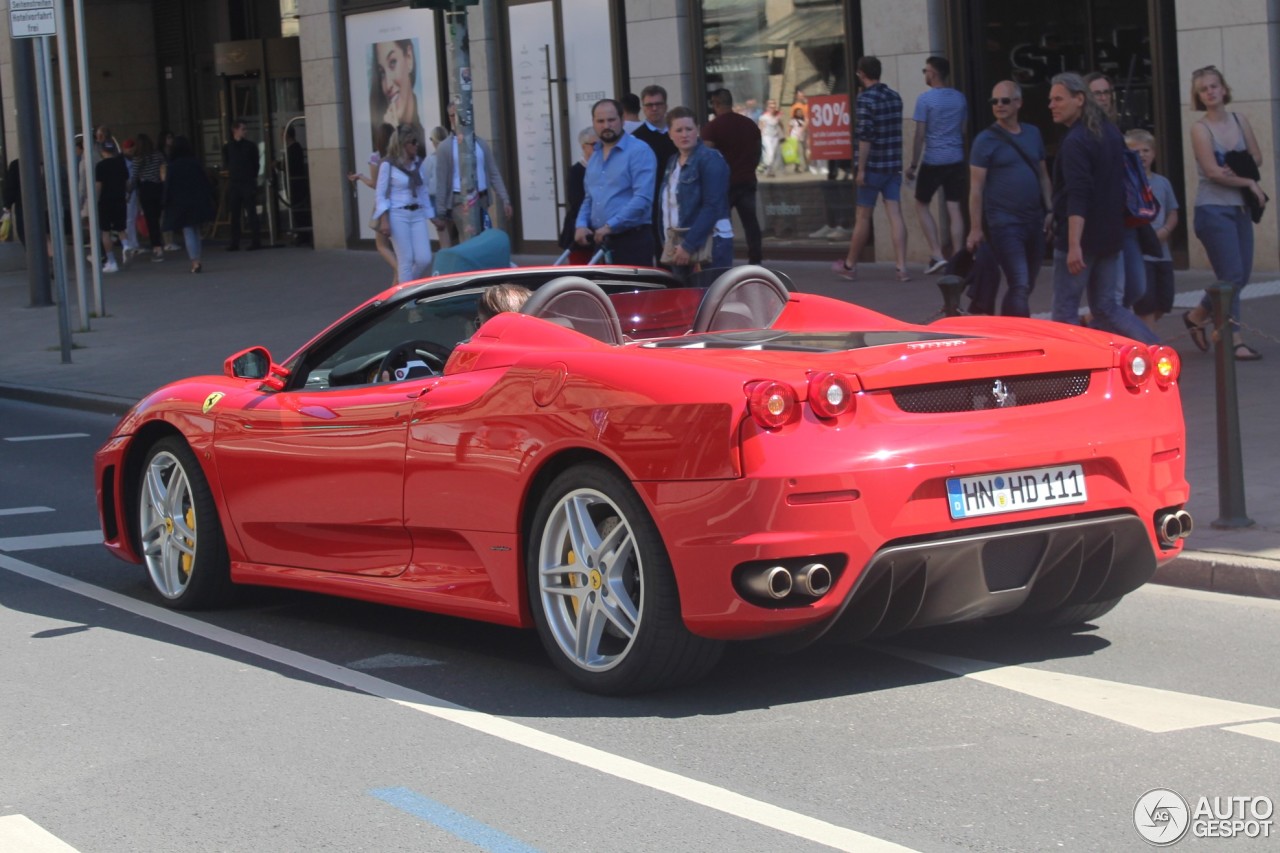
84,401
1234,574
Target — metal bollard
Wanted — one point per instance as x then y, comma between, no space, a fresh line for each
952,287
1231,509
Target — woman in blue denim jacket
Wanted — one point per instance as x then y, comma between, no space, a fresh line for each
695,196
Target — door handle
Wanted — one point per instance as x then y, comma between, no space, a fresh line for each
413,395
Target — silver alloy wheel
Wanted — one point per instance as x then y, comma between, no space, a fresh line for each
167,521
589,579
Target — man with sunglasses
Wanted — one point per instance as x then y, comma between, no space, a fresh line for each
1010,199
938,152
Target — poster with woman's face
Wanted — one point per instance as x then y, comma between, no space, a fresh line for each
391,66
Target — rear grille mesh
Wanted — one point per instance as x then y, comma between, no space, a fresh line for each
994,393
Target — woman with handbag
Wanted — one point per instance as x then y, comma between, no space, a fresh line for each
695,200
1222,220
404,204
376,159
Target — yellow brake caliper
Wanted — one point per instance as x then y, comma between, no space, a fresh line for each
573,581
190,518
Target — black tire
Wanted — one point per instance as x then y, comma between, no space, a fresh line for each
179,535
636,639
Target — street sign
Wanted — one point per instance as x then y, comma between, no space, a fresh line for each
31,18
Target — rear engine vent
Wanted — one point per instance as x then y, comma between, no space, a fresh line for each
993,393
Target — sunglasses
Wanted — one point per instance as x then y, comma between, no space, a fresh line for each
1002,101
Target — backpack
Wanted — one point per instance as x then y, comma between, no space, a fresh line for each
1140,205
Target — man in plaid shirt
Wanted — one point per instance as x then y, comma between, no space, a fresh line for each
879,134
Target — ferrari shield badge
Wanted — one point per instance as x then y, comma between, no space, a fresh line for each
212,400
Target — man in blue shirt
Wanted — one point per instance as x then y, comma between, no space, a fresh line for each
1010,197
878,130
621,176
939,116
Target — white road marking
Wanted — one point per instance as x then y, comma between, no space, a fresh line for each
20,834
51,437
1148,708
391,661
25,510
1266,731
51,540
712,796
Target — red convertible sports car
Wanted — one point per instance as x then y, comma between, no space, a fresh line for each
643,470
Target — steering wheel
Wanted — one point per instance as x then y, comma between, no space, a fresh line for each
429,352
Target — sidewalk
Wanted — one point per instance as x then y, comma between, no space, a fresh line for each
163,323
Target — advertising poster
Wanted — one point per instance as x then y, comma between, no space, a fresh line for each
391,67
830,128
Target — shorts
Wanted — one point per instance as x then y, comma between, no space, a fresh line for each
111,217
888,184
949,176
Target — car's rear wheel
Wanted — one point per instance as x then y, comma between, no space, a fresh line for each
603,594
178,529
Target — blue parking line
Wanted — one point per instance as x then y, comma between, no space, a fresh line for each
466,828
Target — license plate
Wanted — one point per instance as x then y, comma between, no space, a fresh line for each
1011,491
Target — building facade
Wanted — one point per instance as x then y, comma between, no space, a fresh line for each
536,66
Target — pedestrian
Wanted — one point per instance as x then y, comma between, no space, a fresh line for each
1158,299
1010,197
694,201
241,161
110,182
653,132
631,112
1103,91
619,198
166,148
188,198
1088,213
446,233
575,191
380,241
737,137
798,129
128,152
403,204
940,116
448,200
149,168
1222,220
771,135
878,130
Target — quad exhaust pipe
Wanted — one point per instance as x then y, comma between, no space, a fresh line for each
778,582
1172,526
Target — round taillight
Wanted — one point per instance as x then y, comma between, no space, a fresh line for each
1166,365
830,394
1136,365
772,404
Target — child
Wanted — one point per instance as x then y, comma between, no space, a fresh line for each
1158,300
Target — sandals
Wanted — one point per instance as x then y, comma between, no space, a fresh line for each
1244,352
1196,332
903,275
196,267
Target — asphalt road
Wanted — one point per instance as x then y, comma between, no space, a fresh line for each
298,722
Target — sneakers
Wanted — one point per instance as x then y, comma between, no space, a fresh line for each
935,265
838,233
846,272
821,233
171,247
110,266
157,257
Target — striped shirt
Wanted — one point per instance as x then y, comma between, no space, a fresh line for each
148,168
879,121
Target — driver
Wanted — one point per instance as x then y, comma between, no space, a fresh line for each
499,298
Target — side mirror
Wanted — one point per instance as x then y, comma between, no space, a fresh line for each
256,363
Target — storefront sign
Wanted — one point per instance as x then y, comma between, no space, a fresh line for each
830,128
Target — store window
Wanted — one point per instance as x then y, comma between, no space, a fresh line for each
789,55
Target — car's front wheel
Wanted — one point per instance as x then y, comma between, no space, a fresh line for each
603,594
178,529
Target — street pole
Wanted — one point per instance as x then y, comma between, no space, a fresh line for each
467,211
91,160
1231,509
53,184
73,174
27,105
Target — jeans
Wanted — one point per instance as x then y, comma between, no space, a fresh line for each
742,198
721,252
1019,249
191,236
1100,280
1227,235
411,240
1134,268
